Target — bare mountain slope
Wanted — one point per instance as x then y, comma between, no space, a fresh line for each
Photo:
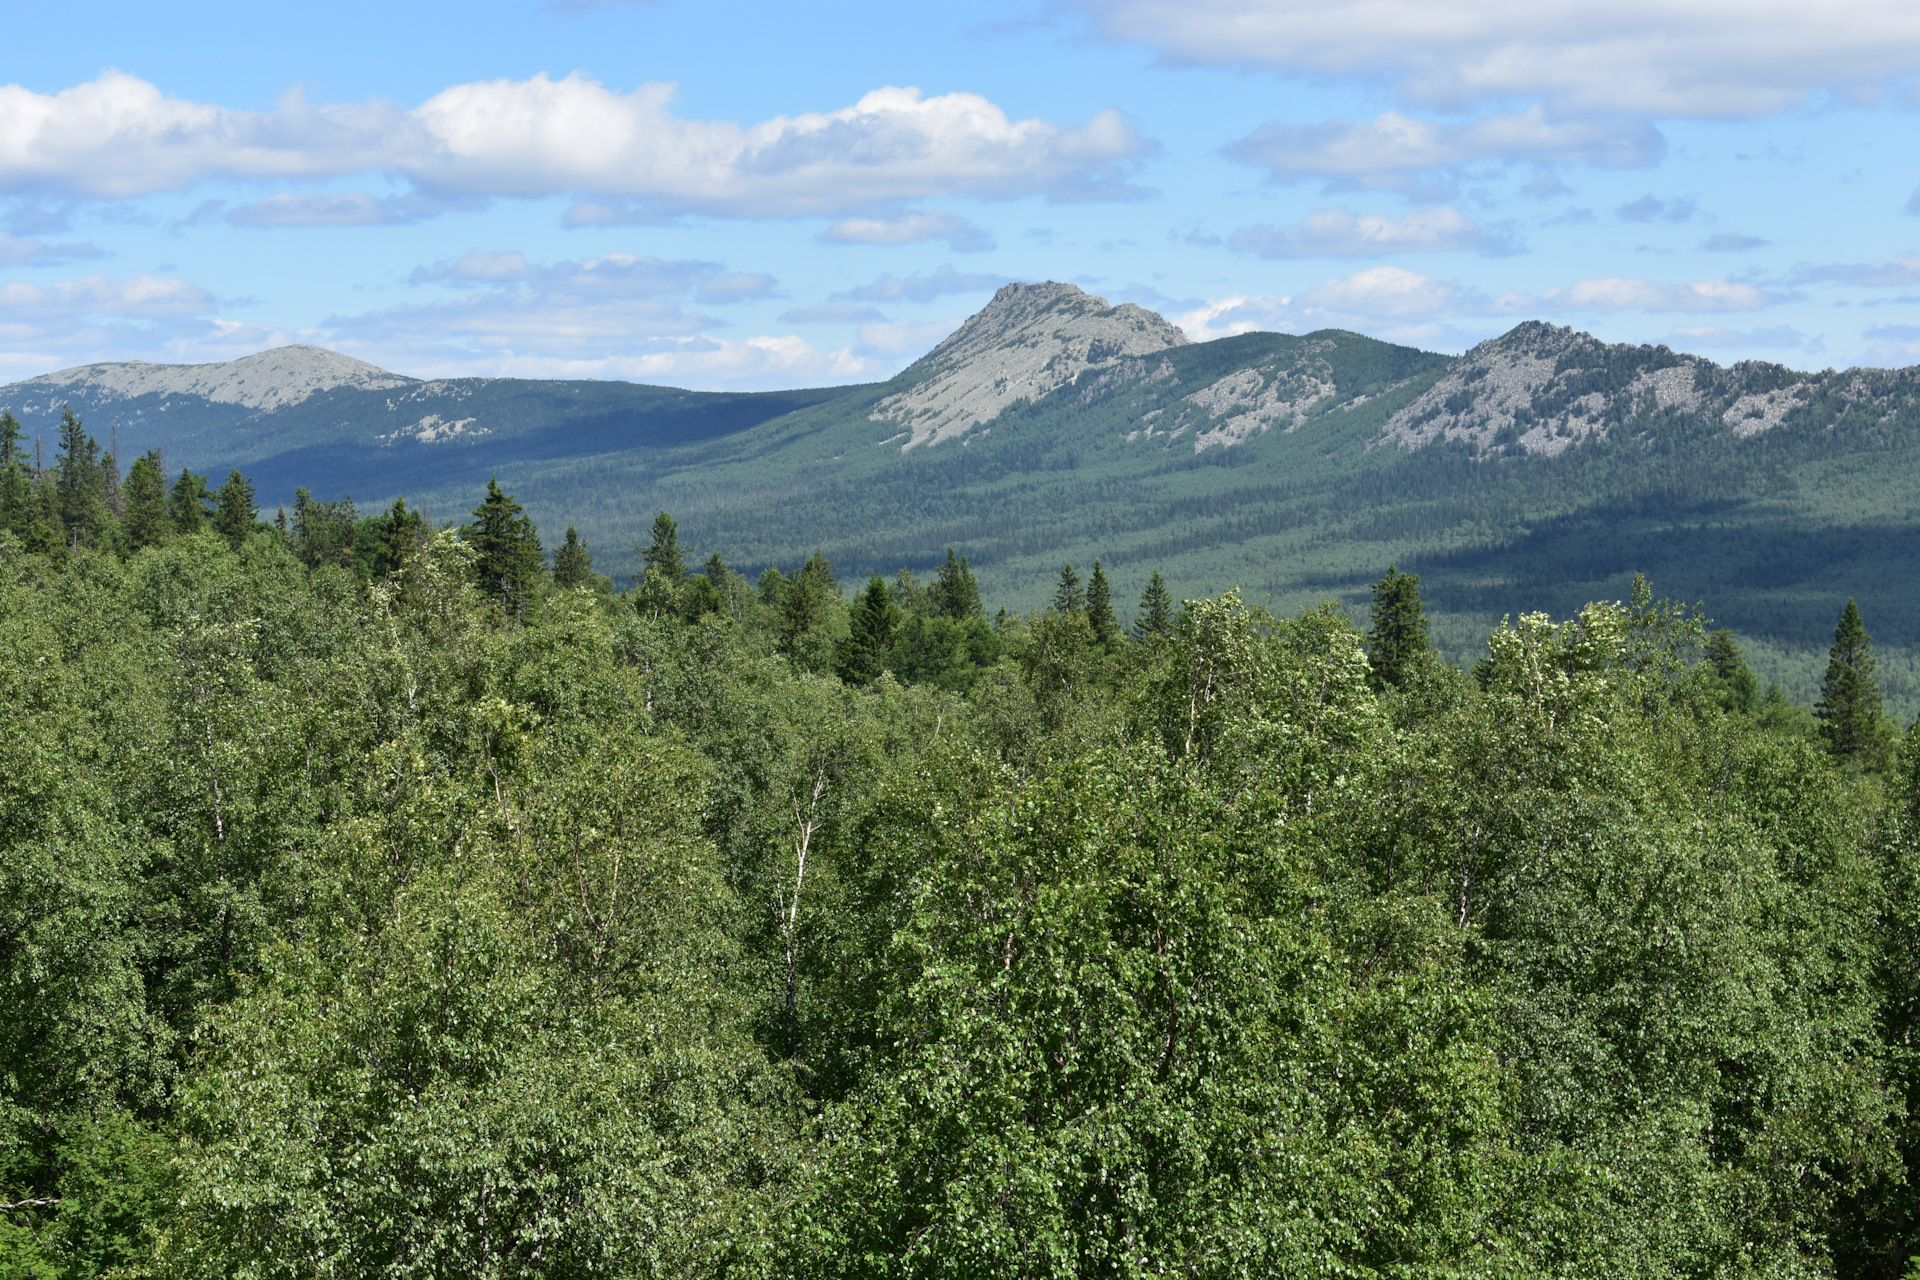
267,380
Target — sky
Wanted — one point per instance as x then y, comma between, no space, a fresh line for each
738,195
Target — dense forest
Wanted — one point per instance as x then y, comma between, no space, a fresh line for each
383,899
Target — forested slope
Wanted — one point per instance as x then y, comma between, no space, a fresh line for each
401,906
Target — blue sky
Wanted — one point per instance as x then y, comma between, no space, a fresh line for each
732,194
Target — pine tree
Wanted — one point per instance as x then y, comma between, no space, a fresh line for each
145,501
1738,687
572,566
874,622
1106,632
234,512
1849,706
1068,596
1397,640
663,557
954,593
1156,610
187,503
507,552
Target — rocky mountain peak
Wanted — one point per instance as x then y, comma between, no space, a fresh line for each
265,380
1030,340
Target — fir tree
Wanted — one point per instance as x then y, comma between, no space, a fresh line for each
954,593
507,553
145,501
1738,688
873,623
18,509
1106,632
1156,610
1849,706
79,483
397,533
1397,639
187,503
234,512
663,557
572,566
804,606
1068,597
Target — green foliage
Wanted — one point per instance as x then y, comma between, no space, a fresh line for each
1068,595
507,555
954,593
1849,707
1397,639
187,502
1156,610
234,512
663,556
1106,631
572,566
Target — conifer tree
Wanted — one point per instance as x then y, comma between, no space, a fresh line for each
1397,639
18,509
507,552
804,607
873,622
1156,610
1849,706
1106,632
234,512
396,534
187,503
145,502
1068,597
663,557
954,593
79,483
1738,687
572,566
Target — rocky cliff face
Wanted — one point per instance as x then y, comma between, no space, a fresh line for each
1032,339
266,380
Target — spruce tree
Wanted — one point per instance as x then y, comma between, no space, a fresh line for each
1068,597
1738,688
803,609
79,483
873,623
954,593
572,566
145,501
1849,706
1156,610
234,511
1106,632
187,503
663,557
18,510
507,553
1397,639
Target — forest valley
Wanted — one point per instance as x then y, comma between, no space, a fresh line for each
382,899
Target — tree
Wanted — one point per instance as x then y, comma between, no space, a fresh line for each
80,483
663,557
323,532
1106,632
1156,610
1849,706
187,503
18,508
954,594
1068,597
1738,687
803,609
145,501
572,566
873,623
1397,640
507,554
396,535
234,512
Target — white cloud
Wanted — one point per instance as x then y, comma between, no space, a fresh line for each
614,276
1394,292
832,313
1714,338
143,297
1392,150
929,224
1889,273
118,136
1623,293
1672,58
16,252
924,288
906,337
1342,233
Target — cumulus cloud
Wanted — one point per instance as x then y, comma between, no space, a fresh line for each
119,136
923,288
1392,150
1672,58
906,337
911,228
143,297
1889,273
1342,233
1712,338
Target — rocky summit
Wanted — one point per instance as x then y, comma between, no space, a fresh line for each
267,380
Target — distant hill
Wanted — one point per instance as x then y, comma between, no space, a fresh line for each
1537,471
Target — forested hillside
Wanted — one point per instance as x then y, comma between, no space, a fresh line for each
384,899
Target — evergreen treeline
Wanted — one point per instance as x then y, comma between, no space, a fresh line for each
383,899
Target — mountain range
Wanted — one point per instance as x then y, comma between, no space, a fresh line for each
1536,471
